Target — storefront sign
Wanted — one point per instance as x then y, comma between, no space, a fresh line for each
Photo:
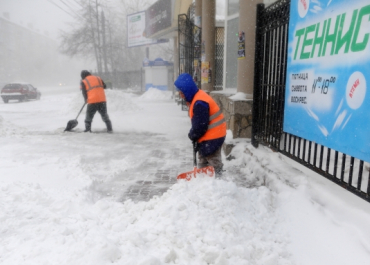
328,73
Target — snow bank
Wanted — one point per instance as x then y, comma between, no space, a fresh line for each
204,221
156,95
314,215
119,101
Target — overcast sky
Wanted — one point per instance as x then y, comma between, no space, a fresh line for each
50,15
44,15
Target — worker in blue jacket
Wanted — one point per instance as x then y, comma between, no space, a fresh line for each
208,126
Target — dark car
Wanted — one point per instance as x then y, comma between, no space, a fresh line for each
20,92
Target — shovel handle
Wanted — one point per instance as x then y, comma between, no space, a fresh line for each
194,154
81,110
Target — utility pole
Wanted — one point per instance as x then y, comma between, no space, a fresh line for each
104,43
98,31
93,37
111,59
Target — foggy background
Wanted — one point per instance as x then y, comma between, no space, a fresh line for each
49,42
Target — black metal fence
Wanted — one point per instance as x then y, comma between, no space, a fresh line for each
129,79
189,38
268,107
189,41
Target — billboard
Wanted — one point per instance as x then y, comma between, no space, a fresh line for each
328,73
136,31
159,16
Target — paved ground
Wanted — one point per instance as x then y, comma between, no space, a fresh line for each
144,190
152,174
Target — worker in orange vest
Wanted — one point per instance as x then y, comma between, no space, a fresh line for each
92,88
208,126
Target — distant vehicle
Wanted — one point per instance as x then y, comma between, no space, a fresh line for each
20,92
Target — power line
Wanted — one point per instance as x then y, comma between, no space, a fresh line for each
74,15
71,9
60,8
76,2
68,5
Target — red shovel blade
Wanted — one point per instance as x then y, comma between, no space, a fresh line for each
209,171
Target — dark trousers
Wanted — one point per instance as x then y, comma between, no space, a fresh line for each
214,160
100,107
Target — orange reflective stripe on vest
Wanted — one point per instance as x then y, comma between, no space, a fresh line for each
95,89
217,124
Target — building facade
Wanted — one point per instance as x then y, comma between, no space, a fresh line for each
236,95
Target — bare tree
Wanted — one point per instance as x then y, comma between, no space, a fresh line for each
100,33
85,38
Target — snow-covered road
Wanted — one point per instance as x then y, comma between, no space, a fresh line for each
77,198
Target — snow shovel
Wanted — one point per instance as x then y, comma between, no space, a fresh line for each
73,123
209,171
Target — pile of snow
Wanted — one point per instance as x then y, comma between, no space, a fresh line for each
309,208
156,94
119,101
204,221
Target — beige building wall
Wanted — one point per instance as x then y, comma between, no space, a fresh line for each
208,37
247,25
240,16
175,58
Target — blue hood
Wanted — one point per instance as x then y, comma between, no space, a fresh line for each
186,85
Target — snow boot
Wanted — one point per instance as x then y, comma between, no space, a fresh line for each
109,126
87,126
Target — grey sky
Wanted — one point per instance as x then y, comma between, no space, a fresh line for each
50,15
44,15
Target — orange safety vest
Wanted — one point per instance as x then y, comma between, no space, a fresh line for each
95,89
217,124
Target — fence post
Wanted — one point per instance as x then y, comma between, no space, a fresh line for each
257,79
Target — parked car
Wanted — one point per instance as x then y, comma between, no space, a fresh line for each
20,92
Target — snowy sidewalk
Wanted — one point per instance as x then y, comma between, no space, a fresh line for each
77,198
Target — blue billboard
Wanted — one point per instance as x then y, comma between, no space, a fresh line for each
328,72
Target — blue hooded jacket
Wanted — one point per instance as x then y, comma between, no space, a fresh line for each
200,120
